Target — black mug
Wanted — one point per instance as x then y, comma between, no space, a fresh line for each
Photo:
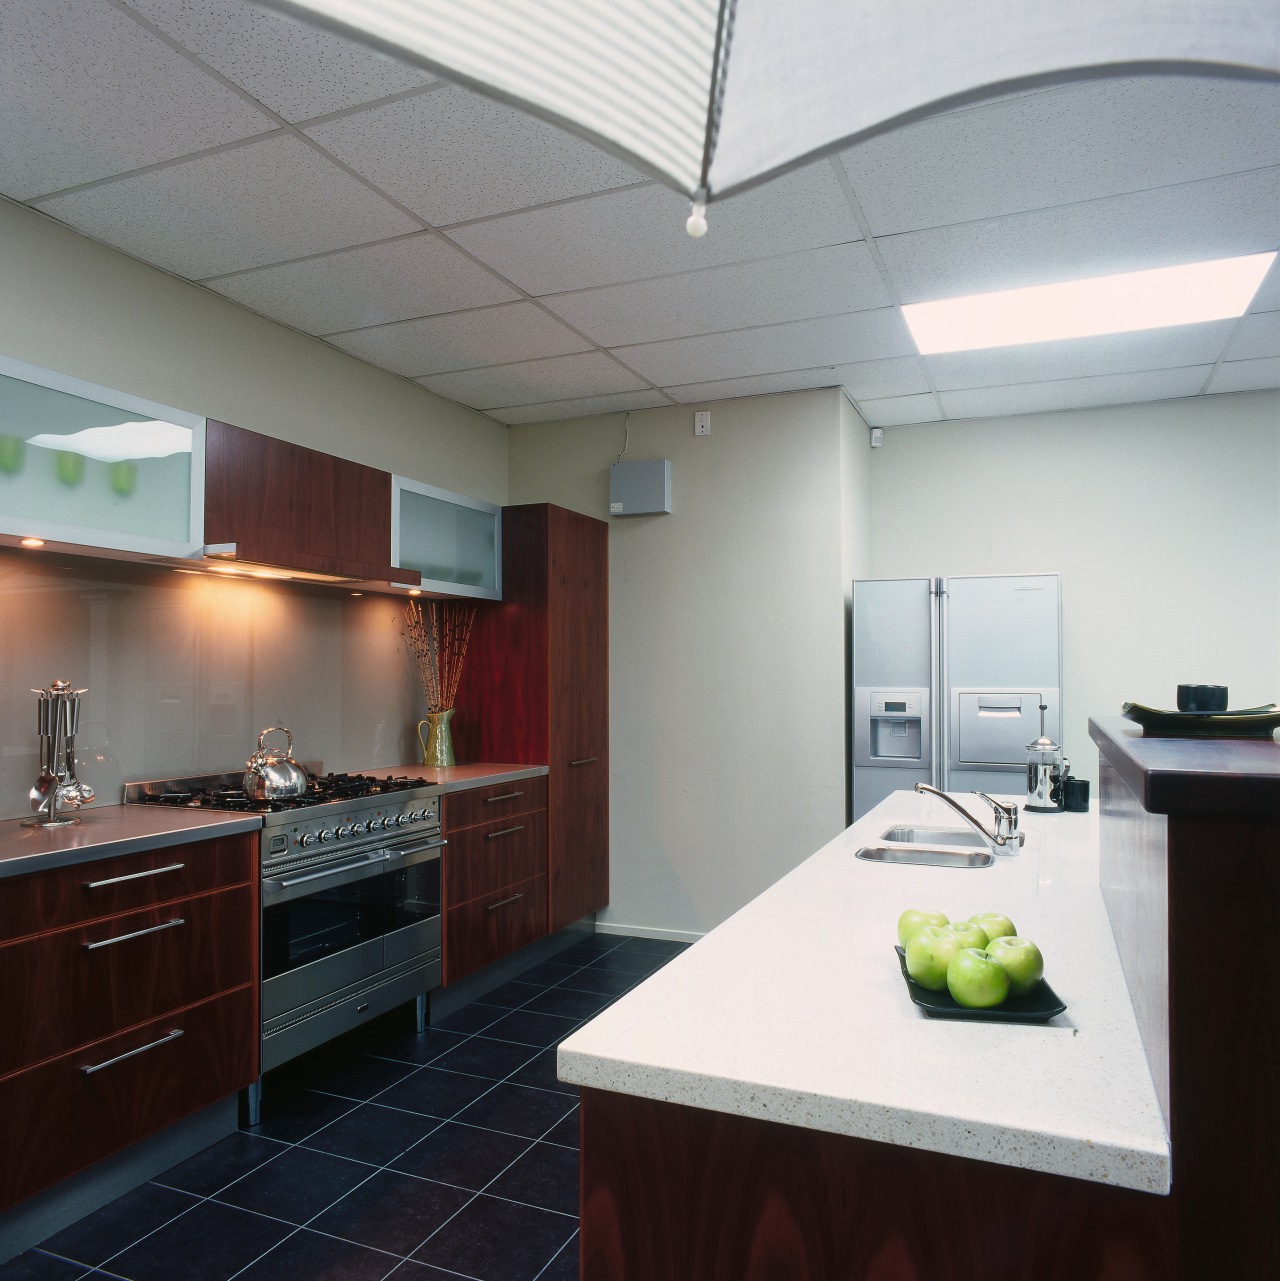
1075,794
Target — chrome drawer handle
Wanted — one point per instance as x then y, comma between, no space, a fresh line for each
506,831
137,934
134,876
128,1054
506,796
586,760
502,902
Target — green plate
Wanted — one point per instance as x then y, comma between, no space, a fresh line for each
1038,1006
1248,722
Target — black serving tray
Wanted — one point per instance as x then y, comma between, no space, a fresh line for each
1038,1006
1248,722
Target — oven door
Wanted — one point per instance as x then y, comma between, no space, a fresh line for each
326,928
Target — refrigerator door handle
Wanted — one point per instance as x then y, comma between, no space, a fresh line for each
941,689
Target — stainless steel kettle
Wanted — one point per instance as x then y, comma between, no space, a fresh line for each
1047,769
274,775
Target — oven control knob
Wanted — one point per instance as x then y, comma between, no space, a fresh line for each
357,829
402,820
344,832
416,816
375,824
306,840
325,834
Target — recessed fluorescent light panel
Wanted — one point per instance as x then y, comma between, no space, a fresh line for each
1155,299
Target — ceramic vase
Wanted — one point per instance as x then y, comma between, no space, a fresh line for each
437,742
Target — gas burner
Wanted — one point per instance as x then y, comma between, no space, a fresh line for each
222,792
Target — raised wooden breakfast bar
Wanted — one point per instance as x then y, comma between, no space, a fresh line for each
772,1105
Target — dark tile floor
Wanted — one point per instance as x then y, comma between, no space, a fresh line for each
384,1155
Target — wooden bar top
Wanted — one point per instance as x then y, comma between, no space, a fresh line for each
1189,777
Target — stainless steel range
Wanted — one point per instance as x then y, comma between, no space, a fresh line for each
350,900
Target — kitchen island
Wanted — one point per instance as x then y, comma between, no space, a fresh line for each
771,1104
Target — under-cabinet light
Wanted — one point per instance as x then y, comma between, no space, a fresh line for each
1158,298
31,542
415,591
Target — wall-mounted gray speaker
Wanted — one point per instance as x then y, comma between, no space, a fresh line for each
640,489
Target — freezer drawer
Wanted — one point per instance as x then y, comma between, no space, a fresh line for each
993,727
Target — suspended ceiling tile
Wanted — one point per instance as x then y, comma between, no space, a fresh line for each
1075,393
1101,138
899,411
420,275
1217,218
451,155
557,410
639,234
295,69
1081,357
803,344
260,203
463,340
1259,337
818,282
1247,375
535,381
893,376
86,92
1268,296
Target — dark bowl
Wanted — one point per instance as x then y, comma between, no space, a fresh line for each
1202,698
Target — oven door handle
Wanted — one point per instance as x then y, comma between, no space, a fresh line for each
408,851
278,884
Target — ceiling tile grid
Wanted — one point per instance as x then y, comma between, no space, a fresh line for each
451,156
245,207
297,70
500,335
85,92
439,235
416,275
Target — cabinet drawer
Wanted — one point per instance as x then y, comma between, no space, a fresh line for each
58,1117
486,928
481,860
480,804
72,986
68,895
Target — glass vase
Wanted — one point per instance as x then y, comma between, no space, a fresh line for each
437,743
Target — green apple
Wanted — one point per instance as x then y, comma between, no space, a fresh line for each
12,450
929,953
124,478
912,920
976,980
1021,961
995,923
69,466
969,934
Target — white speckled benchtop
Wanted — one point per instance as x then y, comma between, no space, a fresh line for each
794,1010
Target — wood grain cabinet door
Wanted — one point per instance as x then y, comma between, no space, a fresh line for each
578,618
487,928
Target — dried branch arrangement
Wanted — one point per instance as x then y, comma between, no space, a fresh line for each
437,632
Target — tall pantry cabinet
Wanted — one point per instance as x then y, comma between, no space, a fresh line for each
535,690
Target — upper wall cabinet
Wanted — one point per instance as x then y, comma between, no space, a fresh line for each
87,465
269,502
454,542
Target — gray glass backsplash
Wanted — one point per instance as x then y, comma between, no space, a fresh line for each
184,669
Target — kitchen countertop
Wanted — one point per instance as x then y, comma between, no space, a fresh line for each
460,778
794,1010
108,831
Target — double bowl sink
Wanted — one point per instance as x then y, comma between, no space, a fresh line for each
929,846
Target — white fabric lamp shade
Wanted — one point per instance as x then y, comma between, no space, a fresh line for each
715,96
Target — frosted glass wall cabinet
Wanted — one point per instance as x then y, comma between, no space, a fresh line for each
92,467
454,542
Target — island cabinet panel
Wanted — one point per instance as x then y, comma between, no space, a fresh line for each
1190,840
535,690
676,1192
130,991
284,504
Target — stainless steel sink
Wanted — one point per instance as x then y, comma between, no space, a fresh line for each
924,855
935,836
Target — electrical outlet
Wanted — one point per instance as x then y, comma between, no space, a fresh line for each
702,423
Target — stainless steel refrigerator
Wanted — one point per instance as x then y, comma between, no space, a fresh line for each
948,675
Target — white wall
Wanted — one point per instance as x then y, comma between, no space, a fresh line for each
1163,519
726,642
73,305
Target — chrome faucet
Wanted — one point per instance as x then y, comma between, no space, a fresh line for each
1006,839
